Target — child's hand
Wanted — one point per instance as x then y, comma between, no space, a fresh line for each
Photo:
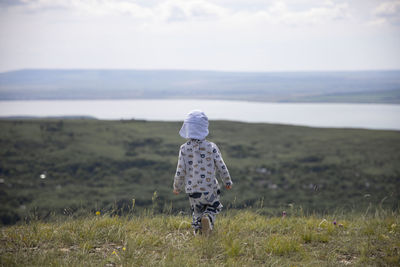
228,187
176,192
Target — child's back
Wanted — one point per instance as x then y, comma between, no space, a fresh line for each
199,161
197,165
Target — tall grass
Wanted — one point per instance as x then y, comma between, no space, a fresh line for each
240,238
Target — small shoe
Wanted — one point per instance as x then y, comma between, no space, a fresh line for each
206,227
196,232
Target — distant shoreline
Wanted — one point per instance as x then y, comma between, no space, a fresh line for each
269,87
206,99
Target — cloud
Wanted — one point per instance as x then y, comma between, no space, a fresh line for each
173,11
87,7
387,12
170,10
5,3
280,13
185,10
199,34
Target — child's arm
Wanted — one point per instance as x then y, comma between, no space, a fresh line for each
179,179
221,168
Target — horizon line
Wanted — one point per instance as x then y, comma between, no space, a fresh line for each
197,70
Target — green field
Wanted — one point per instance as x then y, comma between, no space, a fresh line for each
92,165
240,239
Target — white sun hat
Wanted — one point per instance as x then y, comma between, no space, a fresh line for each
195,125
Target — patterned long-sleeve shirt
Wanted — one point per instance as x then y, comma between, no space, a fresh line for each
198,164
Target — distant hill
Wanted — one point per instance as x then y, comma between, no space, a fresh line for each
353,87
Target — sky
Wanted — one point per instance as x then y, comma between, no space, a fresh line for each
223,35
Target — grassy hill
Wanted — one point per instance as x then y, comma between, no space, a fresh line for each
67,167
240,239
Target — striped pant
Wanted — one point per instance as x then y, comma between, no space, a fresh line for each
206,203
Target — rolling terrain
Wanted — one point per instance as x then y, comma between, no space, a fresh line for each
75,166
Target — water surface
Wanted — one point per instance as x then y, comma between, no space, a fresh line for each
371,116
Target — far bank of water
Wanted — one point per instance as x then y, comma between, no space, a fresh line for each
369,116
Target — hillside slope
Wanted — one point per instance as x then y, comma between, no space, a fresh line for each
64,166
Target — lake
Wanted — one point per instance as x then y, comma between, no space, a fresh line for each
370,116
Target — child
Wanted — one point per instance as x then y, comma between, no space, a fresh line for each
198,162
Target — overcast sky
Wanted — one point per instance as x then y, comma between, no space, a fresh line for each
230,35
